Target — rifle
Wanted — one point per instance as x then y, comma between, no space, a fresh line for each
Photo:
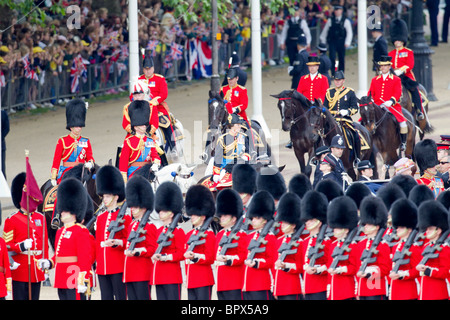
368,254
389,238
253,246
134,236
198,239
338,254
314,253
429,251
399,256
117,225
227,241
163,239
290,247
100,209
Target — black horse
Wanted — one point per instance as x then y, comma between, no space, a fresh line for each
385,131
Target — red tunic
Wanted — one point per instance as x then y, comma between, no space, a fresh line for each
383,90
236,97
231,277
403,59
158,90
314,283
15,232
110,260
72,259
199,273
169,272
5,271
313,88
434,286
434,183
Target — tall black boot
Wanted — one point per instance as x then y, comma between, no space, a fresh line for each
417,101
403,137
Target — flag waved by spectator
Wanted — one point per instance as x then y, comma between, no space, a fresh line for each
78,70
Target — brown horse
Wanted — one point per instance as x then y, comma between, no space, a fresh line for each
384,129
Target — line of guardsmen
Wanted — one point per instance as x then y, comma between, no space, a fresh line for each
277,240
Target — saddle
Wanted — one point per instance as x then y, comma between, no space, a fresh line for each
348,130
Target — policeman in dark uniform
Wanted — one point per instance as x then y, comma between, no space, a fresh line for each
325,62
380,47
299,67
293,28
337,147
234,62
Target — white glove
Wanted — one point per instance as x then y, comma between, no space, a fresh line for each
89,165
53,182
27,243
343,112
290,68
216,178
398,72
154,167
81,288
222,173
235,110
43,264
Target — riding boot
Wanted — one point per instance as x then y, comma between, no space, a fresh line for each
403,137
289,145
357,146
417,101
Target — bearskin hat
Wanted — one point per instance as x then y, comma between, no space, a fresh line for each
373,211
168,197
399,31
109,180
16,188
244,178
200,201
330,188
444,198
72,197
420,193
271,180
425,152
404,181
228,201
389,193
261,205
300,184
139,193
432,213
288,209
358,191
75,113
139,113
404,214
314,206
342,213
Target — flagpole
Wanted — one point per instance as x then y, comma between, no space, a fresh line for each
27,152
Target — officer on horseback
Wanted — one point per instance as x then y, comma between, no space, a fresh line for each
234,62
235,95
343,104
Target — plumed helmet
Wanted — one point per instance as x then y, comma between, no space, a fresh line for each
72,197
229,202
148,61
262,205
139,193
425,152
342,213
420,193
139,113
140,86
199,201
109,180
358,191
330,188
244,178
314,205
373,211
271,180
404,181
17,188
404,214
233,72
299,184
399,31
389,193
75,113
432,213
234,60
168,197
288,209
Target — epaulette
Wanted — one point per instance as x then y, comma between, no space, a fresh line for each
158,75
242,87
80,225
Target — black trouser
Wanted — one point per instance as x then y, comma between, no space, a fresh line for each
316,296
445,22
416,99
67,294
230,295
291,48
433,10
380,297
291,297
200,293
168,291
257,295
112,287
337,47
138,290
20,290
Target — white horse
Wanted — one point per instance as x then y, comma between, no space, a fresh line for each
178,153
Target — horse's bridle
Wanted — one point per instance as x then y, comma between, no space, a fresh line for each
297,119
319,125
375,123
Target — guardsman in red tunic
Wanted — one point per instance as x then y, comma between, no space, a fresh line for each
138,149
386,90
403,284
289,265
19,242
235,96
372,280
434,273
425,152
138,265
230,255
313,85
72,259
5,272
257,277
109,251
403,63
314,216
342,217
200,207
73,148
167,276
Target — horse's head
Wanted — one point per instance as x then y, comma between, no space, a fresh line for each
181,174
291,105
217,110
367,112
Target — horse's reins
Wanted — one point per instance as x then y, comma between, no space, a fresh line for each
320,127
376,123
297,119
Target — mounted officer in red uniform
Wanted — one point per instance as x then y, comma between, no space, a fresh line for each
425,152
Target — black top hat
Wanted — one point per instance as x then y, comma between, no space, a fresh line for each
109,180
168,197
337,142
313,61
365,164
339,75
385,60
75,113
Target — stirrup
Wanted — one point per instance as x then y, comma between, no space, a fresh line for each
403,146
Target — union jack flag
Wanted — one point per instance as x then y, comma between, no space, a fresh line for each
151,45
167,64
176,51
177,30
78,70
29,73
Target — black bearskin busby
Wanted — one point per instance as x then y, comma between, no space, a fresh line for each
425,152
389,193
271,180
432,213
420,193
358,191
288,209
342,213
168,197
72,197
229,202
109,180
330,188
404,181
244,178
444,198
314,206
75,113
373,211
300,184
399,31
139,193
262,205
404,214
16,189
139,112
199,201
